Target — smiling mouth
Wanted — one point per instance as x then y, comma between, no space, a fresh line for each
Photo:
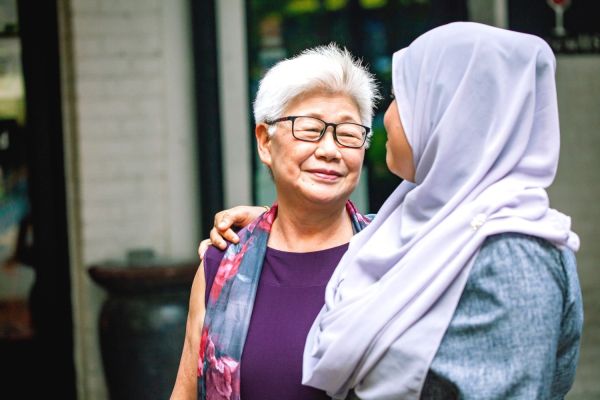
326,174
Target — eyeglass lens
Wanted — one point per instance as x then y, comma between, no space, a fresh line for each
348,134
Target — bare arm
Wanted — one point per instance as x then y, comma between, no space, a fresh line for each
187,375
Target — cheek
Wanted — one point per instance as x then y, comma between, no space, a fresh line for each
354,163
387,118
301,152
390,156
291,156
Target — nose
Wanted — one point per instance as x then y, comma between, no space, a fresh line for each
327,148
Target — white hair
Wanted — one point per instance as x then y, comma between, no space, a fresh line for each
328,68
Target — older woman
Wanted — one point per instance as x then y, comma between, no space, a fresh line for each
465,284
252,305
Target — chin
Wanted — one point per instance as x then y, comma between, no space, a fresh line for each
390,165
319,197
395,171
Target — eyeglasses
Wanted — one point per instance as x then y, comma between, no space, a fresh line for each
312,129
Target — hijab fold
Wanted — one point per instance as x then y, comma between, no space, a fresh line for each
478,106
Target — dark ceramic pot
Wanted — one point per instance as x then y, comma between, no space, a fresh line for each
142,327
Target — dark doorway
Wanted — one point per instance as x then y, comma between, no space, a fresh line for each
206,79
42,365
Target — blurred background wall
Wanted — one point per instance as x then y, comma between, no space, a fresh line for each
136,120
576,191
131,149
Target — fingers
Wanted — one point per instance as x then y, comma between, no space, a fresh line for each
223,222
218,238
239,216
203,247
230,235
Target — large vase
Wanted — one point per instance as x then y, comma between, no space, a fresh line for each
142,327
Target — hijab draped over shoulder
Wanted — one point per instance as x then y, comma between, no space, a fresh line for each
478,105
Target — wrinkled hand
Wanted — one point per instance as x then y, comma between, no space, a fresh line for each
222,231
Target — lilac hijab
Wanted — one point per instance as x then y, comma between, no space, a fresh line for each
478,105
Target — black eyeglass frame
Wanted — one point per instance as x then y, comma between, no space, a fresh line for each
327,125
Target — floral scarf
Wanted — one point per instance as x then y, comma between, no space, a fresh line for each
230,303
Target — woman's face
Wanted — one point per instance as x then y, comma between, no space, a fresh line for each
399,156
313,172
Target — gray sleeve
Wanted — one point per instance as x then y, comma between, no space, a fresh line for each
515,332
567,354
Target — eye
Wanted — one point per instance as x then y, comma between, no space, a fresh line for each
308,124
308,127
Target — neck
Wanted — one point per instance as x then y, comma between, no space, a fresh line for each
301,230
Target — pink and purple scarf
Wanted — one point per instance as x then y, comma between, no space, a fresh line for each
230,304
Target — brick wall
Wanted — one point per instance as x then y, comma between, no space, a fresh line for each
576,192
120,98
130,145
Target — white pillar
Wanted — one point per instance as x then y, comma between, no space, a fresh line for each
183,215
490,12
233,102
501,13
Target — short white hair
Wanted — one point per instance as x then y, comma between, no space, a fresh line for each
327,68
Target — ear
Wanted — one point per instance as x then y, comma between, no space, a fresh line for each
263,143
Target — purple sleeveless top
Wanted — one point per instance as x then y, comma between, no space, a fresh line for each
290,294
